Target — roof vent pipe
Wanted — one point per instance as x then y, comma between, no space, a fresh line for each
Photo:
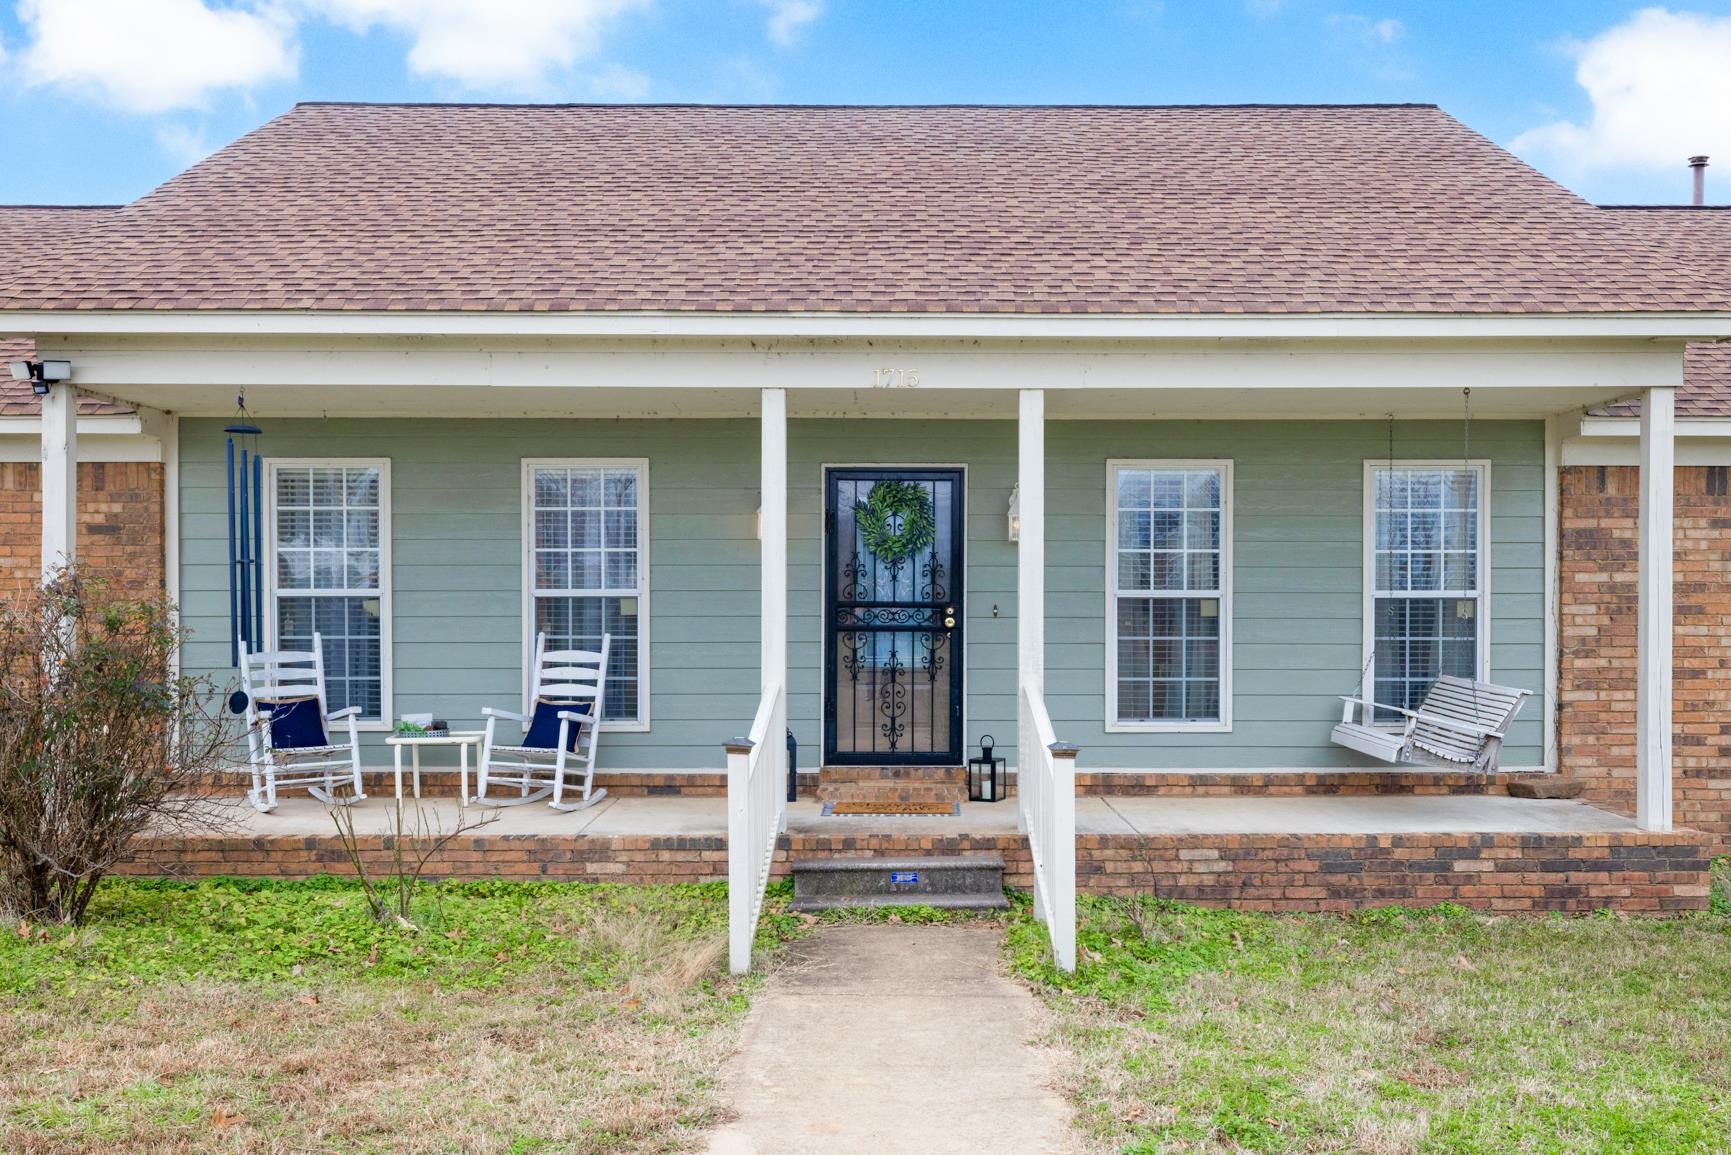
1699,165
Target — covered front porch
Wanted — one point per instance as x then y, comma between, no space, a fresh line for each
726,602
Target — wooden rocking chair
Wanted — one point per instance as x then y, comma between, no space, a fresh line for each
1459,725
561,732
288,735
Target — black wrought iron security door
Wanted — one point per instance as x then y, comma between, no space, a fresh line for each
893,614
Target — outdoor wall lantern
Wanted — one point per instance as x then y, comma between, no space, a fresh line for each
985,774
41,374
1015,514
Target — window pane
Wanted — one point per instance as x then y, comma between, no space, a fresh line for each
579,623
1168,659
1417,641
349,629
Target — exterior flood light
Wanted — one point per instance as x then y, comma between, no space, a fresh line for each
41,374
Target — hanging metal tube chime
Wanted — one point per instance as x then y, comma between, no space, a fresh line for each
245,535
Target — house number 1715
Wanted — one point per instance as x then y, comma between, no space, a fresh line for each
895,378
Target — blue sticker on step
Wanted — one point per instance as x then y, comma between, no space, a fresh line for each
904,878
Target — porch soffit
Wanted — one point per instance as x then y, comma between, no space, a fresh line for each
1185,379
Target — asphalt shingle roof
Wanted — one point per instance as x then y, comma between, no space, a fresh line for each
26,233
1229,209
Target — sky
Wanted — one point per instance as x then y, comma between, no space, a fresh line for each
105,99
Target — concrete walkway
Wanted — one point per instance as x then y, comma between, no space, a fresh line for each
885,1039
1095,814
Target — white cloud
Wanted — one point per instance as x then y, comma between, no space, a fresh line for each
1372,33
788,17
150,56
616,82
186,145
486,44
1660,85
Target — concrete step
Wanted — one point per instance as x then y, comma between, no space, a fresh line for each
965,882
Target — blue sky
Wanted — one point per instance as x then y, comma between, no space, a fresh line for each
107,98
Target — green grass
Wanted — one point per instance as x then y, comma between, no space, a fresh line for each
1393,1031
271,1016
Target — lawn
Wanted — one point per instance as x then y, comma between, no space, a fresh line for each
234,1016
1392,1032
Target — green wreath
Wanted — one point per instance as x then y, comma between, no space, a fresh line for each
896,520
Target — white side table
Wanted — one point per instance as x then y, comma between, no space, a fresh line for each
461,739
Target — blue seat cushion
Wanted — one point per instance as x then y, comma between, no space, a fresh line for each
296,724
544,725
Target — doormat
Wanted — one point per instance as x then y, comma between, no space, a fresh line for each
856,809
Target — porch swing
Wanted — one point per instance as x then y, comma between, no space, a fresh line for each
1460,724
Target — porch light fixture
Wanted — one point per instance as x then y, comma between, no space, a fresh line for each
758,523
1015,514
985,774
41,374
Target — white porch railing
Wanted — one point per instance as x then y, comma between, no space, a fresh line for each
1046,793
756,816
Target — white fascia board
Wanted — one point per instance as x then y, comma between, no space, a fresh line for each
1627,450
108,425
1630,427
919,326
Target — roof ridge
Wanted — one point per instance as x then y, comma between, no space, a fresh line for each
783,107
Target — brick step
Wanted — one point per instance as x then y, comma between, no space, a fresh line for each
892,784
960,882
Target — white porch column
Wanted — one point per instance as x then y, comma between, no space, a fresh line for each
1031,549
773,660
59,479
1653,611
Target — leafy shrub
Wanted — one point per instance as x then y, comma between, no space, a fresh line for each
100,738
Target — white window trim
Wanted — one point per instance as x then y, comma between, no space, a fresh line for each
1367,684
387,662
527,559
1223,725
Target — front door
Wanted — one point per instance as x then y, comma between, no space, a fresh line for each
893,617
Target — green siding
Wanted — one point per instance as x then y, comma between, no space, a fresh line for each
456,530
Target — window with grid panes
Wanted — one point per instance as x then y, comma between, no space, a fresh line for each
1168,592
327,524
586,569
1428,580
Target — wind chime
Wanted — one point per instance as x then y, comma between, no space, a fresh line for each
245,534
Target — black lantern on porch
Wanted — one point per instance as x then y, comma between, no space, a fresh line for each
985,774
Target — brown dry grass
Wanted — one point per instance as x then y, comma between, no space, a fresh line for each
402,1066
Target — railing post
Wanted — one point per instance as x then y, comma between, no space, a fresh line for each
1061,855
741,852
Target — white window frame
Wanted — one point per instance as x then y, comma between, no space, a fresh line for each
1222,725
1367,681
387,706
526,484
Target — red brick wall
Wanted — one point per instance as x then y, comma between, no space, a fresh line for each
1516,873
119,524
1596,716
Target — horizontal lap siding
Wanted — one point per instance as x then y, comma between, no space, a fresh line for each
457,572
1298,581
1298,569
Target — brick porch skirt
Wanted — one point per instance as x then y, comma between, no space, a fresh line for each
1632,871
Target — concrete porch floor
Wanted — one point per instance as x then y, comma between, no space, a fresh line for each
662,816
